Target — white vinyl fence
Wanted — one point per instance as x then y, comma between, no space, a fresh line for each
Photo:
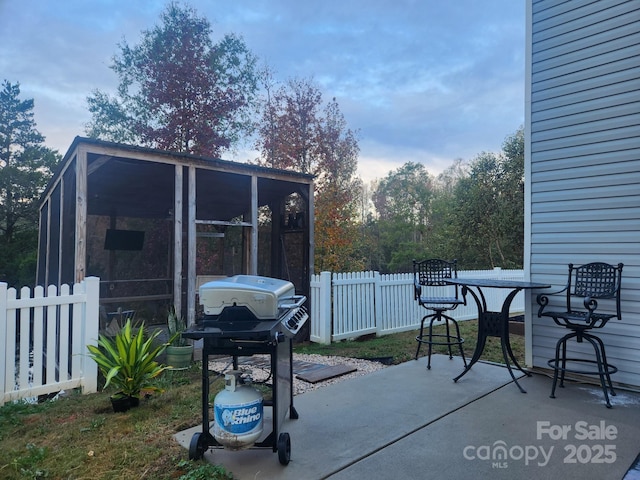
45,339
348,305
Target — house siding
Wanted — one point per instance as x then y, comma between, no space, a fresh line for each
583,148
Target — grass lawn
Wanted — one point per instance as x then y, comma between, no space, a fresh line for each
402,346
79,436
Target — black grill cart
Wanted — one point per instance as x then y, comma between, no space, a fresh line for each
247,338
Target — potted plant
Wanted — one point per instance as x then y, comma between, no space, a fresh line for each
179,351
128,362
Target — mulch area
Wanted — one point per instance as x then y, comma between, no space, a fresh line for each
305,371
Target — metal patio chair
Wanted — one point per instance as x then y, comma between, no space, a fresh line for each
433,293
587,285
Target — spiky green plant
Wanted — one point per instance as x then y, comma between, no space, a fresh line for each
128,361
176,325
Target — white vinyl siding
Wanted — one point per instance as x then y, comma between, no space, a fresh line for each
583,144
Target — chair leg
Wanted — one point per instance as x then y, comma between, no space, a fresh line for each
556,365
446,322
433,319
559,363
450,339
419,337
607,370
458,337
564,359
603,368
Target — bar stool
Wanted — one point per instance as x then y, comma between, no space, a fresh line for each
586,285
433,293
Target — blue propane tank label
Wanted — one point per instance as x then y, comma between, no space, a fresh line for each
239,419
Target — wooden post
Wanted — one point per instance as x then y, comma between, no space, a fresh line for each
191,263
253,243
177,240
81,214
324,332
47,240
277,211
377,295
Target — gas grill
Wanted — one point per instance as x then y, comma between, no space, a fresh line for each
252,307
247,315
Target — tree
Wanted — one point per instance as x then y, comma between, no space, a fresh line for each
403,203
489,208
472,212
337,197
512,198
25,168
289,130
178,90
297,132
442,243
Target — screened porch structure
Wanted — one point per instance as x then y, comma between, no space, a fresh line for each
154,225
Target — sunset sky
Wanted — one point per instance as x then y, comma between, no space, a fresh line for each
426,81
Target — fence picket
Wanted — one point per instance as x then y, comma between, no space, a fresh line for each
51,327
89,318
10,341
7,343
25,318
66,337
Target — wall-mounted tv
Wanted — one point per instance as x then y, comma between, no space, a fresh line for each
123,240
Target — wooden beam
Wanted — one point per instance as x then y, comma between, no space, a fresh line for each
311,222
46,281
81,214
191,255
223,223
136,298
253,242
277,214
61,228
177,239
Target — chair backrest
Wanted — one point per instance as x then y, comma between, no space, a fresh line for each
595,280
433,272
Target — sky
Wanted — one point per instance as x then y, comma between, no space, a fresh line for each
427,81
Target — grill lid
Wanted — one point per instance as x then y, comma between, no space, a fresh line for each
263,296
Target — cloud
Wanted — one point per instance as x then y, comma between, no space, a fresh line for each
418,79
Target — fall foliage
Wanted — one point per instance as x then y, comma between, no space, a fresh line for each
298,132
178,90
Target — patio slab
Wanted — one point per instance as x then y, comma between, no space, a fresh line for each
407,422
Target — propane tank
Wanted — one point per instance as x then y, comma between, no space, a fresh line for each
238,413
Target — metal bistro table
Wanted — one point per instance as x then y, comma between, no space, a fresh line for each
493,324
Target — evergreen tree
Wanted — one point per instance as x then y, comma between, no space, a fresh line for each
26,166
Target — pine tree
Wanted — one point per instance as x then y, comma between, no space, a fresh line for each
26,166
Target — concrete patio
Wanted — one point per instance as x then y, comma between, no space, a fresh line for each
407,422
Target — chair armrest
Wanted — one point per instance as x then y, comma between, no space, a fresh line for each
590,304
542,299
463,291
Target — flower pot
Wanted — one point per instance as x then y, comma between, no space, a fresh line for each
179,358
122,403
